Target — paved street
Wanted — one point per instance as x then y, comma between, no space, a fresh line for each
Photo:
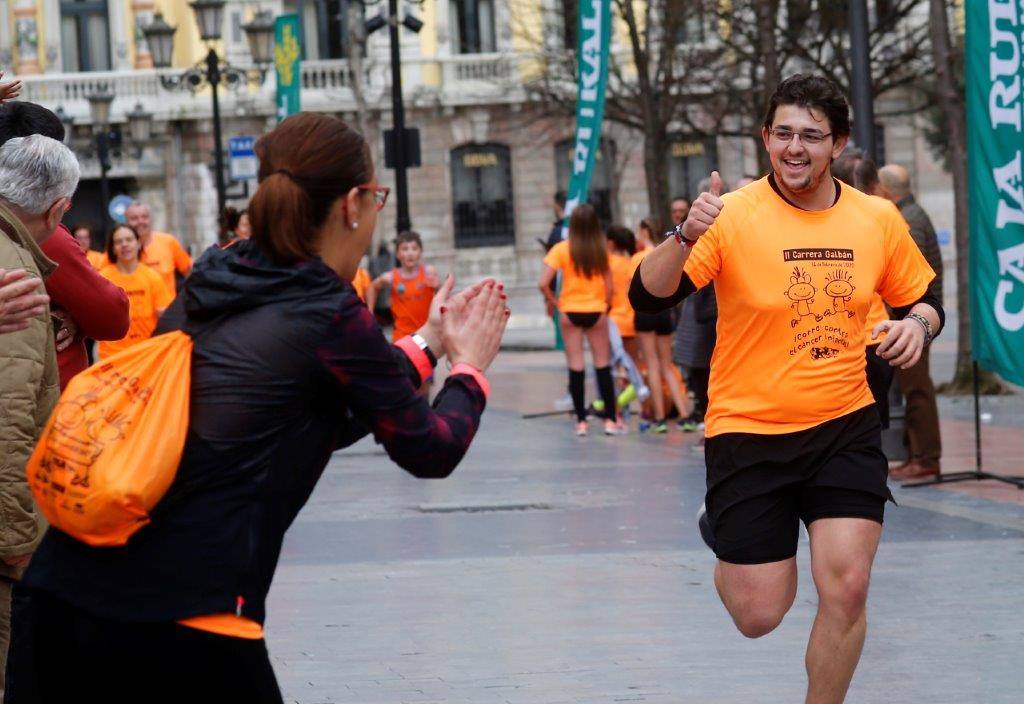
550,569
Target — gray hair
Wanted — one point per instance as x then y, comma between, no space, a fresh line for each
36,172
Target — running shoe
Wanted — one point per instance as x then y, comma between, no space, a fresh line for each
660,428
707,534
688,424
581,429
612,428
643,426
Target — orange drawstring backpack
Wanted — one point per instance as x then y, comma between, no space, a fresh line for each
113,444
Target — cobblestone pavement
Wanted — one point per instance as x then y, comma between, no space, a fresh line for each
550,569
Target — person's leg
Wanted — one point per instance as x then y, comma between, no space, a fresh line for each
700,376
572,337
664,346
649,345
622,356
842,552
757,596
922,414
600,349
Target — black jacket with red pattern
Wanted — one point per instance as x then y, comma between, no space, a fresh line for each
288,366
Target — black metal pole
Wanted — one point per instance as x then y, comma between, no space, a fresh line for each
398,111
977,419
103,154
213,76
863,96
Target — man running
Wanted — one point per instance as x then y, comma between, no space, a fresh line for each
792,432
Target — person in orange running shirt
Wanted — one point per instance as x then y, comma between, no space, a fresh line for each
148,297
161,251
583,303
412,285
83,236
363,284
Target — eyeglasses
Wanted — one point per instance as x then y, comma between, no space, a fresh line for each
784,135
380,194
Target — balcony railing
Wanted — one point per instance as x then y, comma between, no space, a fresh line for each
326,85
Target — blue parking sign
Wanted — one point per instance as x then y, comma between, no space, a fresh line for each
242,162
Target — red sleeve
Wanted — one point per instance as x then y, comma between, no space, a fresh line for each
98,307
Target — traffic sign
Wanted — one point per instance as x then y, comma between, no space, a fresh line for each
242,162
117,207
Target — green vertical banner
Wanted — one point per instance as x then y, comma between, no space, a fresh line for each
995,139
287,57
594,36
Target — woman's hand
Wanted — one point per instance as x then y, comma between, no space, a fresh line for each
19,301
472,327
431,332
9,90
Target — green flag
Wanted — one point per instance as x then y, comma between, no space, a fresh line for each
287,56
995,129
594,33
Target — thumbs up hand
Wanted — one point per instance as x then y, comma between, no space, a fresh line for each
705,210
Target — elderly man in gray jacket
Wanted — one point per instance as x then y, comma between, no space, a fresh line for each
38,176
924,443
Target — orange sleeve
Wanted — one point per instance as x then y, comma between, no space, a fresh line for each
906,273
182,262
558,256
705,261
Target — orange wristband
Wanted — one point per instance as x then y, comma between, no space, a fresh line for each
478,376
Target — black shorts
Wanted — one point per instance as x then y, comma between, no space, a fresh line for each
658,323
583,320
761,486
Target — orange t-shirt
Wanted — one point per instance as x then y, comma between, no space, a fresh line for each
621,312
580,293
146,295
361,282
165,255
97,259
410,302
876,314
794,288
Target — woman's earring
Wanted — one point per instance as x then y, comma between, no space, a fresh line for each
355,226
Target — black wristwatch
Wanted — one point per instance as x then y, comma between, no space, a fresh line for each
422,344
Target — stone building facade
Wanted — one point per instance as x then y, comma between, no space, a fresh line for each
491,159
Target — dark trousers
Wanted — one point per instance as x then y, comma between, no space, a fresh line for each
922,415
60,654
879,373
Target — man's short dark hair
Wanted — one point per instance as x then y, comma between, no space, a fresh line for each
855,168
815,92
683,198
18,119
560,198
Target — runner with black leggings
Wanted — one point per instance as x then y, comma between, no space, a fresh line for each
585,298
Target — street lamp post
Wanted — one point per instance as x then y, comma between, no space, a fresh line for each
212,71
863,95
99,109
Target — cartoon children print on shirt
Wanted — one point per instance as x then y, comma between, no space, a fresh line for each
839,285
801,293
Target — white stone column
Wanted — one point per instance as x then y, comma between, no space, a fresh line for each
117,23
6,45
51,21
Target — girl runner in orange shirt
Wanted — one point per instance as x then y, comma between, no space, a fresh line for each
147,294
584,301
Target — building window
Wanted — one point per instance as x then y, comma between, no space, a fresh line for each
85,35
601,192
690,160
472,26
324,26
482,195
